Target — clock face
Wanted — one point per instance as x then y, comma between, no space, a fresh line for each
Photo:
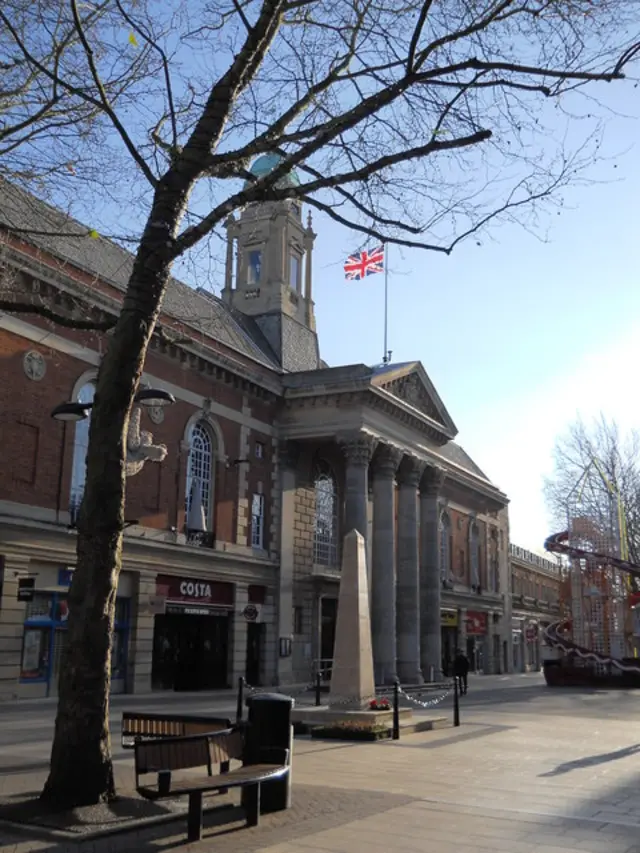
156,413
34,365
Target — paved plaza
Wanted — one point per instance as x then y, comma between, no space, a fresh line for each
531,770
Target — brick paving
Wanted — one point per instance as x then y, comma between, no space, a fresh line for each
520,776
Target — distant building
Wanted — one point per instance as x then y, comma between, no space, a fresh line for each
535,604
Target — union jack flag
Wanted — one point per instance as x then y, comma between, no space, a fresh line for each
364,263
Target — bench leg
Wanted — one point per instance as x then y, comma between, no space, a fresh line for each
224,768
252,805
194,819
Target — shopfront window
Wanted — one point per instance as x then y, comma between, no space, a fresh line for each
45,632
35,654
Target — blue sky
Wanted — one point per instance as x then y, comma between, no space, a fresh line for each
518,335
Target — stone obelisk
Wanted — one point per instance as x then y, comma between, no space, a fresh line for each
352,681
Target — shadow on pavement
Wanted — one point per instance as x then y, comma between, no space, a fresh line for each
315,808
592,761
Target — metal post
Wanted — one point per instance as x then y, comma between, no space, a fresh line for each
456,702
239,706
396,710
318,687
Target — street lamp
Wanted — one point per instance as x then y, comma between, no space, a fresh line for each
71,411
147,397
152,397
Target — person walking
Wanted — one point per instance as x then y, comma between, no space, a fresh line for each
461,671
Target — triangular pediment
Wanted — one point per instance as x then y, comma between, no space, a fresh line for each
409,383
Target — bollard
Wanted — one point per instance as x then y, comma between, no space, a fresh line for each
456,702
270,729
318,689
240,702
396,710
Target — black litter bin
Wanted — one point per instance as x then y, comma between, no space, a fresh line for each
269,725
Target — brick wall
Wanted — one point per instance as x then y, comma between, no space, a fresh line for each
38,450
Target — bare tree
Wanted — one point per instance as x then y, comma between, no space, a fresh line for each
48,135
595,466
418,123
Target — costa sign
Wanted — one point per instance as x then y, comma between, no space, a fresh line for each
190,590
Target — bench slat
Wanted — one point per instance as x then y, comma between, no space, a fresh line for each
150,725
225,747
153,756
235,778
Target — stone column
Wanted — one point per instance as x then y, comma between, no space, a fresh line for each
288,454
383,573
407,584
358,448
430,583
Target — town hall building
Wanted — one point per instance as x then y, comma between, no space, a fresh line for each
231,563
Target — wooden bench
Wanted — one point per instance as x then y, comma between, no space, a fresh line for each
202,752
138,727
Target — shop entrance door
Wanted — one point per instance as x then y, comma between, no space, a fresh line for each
190,652
253,666
328,617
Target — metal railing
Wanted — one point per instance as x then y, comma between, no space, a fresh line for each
395,692
322,667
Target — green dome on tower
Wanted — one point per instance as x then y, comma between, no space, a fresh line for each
267,163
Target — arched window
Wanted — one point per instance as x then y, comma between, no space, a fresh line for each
200,471
80,448
445,547
325,538
474,552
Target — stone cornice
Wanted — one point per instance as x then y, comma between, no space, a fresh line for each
495,499
225,367
330,426
52,543
406,413
361,391
471,601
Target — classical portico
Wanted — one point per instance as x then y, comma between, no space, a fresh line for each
394,437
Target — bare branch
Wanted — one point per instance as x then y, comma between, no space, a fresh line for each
153,44
104,99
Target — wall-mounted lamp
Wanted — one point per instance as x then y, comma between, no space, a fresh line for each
147,397
238,462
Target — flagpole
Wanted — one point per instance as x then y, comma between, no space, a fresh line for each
386,305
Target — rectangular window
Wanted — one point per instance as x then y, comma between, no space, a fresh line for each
40,609
257,521
254,266
298,620
294,271
259,450
118,653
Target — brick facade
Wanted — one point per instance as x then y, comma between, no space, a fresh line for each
536,586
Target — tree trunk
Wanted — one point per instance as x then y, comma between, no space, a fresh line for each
81,771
